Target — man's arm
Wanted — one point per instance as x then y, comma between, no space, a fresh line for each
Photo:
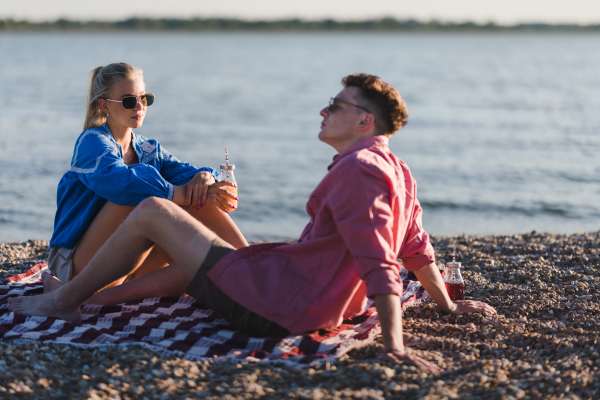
432,281
390,317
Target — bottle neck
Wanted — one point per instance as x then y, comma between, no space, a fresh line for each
453,274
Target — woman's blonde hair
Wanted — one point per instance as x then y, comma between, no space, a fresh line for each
102,80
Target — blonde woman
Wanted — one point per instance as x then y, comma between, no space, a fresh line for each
113,169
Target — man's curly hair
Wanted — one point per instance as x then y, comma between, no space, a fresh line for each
382,99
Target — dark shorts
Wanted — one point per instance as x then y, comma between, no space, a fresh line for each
204,289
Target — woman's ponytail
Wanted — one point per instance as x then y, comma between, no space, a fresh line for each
94,117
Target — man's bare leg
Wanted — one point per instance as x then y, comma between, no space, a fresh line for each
155,220
112,215
212,218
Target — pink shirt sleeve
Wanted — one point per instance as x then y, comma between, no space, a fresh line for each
416,251
360,204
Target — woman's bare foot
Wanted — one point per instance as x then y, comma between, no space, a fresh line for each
51,283
44,305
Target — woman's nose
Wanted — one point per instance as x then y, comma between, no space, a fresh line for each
138,105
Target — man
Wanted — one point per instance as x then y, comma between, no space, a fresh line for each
364,215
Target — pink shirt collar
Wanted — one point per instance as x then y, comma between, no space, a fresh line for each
365,143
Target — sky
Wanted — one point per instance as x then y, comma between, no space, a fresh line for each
480,11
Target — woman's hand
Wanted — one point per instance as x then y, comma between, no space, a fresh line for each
197,189
470,306
221,198
405,358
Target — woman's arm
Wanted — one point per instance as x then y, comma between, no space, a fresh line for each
180,196
178,172
100,167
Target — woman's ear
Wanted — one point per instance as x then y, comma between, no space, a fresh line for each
103,105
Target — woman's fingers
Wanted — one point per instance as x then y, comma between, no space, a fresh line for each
197,188
188,194
197,195
214,188
227,194
203,195
218,202
226,205
213,194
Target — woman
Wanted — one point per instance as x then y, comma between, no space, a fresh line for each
114,169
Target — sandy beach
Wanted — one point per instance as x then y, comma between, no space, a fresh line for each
542,344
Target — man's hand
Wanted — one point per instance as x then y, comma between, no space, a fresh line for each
197,189
432,281
389,310
470,306
404,358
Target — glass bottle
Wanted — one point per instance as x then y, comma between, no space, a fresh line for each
455,285
227,175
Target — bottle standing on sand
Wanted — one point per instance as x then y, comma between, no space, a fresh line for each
227,175
455,285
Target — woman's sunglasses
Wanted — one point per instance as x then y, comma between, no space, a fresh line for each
130,102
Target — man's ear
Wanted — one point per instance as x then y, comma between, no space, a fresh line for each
367,122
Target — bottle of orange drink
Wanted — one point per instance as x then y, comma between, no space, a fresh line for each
227,175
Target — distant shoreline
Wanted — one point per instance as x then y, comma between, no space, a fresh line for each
287,25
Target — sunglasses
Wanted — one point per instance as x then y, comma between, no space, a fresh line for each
130,102
333,106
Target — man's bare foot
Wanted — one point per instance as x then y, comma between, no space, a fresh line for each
44,305
51,283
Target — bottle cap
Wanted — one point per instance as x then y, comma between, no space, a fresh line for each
453,264
228,166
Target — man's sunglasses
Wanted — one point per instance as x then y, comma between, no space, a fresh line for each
130,102
333,106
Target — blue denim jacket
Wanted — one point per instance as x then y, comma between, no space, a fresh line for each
98,173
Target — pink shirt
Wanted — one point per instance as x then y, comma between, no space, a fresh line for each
364,215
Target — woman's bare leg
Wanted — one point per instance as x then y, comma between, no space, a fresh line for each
220,223
102,227
167,281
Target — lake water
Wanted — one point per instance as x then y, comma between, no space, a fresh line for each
502,136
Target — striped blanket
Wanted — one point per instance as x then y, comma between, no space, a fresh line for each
180,326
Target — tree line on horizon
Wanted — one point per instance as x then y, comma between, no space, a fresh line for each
291,25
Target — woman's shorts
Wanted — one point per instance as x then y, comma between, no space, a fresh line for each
204,289
60,262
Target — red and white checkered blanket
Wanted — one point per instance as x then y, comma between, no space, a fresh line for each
180,326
